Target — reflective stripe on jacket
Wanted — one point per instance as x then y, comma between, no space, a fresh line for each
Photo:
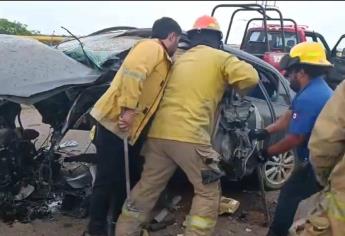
138,84
197,82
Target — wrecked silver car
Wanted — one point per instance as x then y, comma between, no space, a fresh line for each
35,74
63,83
267,102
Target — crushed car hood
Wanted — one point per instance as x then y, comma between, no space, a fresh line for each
31,71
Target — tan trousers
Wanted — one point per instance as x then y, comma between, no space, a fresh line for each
162,157
326,216
324,212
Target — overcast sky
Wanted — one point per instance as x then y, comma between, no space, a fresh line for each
83,18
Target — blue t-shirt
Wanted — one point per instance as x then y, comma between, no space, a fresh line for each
306,107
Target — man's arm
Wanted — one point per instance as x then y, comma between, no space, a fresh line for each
289,142
299,120
280,124
239,74
137,66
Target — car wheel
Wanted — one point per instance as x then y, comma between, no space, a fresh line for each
278,170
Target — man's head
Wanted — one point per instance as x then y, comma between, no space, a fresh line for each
169,32
206,31
305,61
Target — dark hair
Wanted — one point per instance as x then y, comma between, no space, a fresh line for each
311,70
164,26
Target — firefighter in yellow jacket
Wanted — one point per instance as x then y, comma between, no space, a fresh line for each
327,156
180,134
124,110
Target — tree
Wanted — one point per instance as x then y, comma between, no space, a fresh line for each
15,28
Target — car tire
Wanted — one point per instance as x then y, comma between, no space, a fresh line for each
278,170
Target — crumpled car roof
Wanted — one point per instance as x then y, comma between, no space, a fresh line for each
100,47
31,69
106,46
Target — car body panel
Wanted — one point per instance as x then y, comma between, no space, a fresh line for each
30,70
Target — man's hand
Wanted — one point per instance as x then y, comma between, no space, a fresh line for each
258,134
263,155
126,120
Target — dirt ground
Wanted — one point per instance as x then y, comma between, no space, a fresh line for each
248,220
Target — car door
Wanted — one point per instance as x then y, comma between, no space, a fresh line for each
337,57
279,168
312,36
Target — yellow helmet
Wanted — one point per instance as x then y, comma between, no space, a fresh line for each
206,23
310,53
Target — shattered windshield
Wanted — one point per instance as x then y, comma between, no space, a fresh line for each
99,48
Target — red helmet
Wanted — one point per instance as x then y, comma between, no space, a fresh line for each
206,23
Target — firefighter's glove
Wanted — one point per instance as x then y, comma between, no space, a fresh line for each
258,134
262,155
210,176
212,159
214,173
